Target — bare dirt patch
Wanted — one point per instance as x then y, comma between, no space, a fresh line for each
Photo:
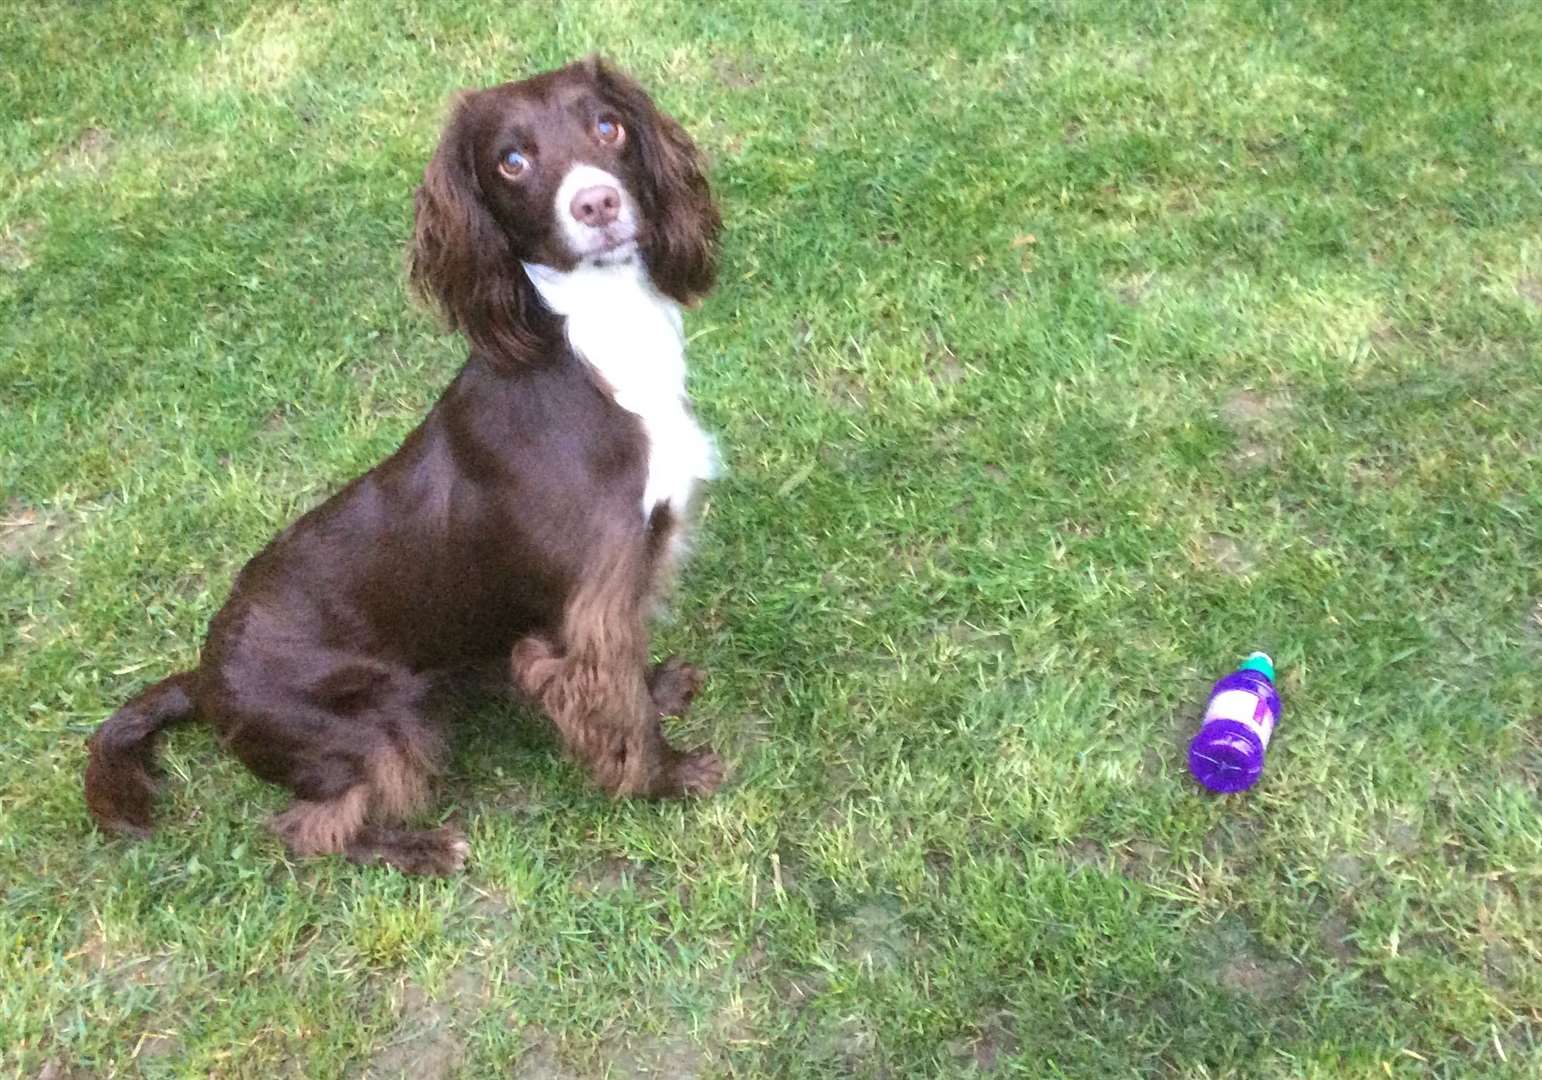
1137,860
1503,965
665,1056
1334,934
1255,418
850,1045
730,147
847,390
943,366
939,865
802,334
611,874
1233,839
29,532
674,1053
1134,289
541,1062
1182,201
1252,454
1246,408
428,1043
1523,1041
430,1055
275,423
261,56
876,937
15,245
93,144
120,968
1229,555
1166,751
735,72
1242,964
157,1044
794,991
973,639
1082,530
1346,869
1397,836
1524,765
493,905
1089,855
1259,976
87,152
992,1040
1530,289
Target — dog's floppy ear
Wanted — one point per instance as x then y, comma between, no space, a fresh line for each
682,221
460,260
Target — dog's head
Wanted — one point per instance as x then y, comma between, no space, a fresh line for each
573,166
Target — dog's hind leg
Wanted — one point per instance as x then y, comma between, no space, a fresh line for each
362,820
353,744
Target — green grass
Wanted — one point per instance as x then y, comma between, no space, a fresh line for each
1064,353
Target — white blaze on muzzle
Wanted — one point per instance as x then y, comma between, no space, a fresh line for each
607,243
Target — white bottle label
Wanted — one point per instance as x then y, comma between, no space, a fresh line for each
1247,709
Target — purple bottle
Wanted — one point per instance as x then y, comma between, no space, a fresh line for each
1227,754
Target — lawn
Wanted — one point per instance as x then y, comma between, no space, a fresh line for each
1064,353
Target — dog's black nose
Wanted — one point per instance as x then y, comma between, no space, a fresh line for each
596,206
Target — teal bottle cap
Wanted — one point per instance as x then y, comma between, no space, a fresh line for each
1260,663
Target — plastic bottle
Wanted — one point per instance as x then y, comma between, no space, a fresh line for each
1227,754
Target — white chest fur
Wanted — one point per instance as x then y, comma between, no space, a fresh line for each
632,336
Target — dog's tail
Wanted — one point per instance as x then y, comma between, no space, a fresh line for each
119,786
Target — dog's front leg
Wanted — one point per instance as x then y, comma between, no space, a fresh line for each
601,705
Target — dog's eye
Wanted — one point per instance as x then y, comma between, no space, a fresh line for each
513,164
609,130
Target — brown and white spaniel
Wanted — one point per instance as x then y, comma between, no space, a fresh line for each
529,522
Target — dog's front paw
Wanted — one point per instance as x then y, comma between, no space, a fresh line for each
674,684
437,852
699,772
